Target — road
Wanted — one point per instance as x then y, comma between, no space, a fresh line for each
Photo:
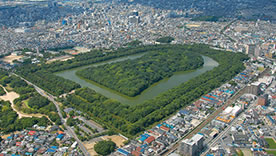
234,122
225,131
52,99
212,116
208,120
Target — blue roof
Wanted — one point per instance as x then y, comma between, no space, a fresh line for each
123,151
270,118
145,135
214,95
159,125
27,153
51,150
229,91
144,146
257,149
143,139
184,112
54,147
167,125
60,136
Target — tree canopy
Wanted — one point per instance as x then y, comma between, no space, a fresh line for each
131,77
166,39
105,147
37,102
130,120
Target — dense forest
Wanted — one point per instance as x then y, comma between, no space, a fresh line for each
131,120
131,77
9,121
50,82
2,91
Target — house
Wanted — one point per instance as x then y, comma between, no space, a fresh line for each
149,139
135,153
60,136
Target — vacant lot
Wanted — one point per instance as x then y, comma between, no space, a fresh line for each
90,148
11,58
246,152
89,145
61,58
10,96
115,138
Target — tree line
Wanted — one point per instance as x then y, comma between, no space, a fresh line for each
50,82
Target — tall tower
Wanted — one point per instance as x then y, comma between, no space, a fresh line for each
37,51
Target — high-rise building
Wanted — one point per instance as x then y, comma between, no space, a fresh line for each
254,89
191,147
253,50
135,13
250,49
257,51
134,19
263,100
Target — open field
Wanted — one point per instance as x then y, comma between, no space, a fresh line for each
246,152
90,148
76,50
271,142
271,152
81,49
115,138
11,58
61,58
89,145
9,96
193,25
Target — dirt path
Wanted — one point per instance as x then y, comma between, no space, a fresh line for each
11,96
